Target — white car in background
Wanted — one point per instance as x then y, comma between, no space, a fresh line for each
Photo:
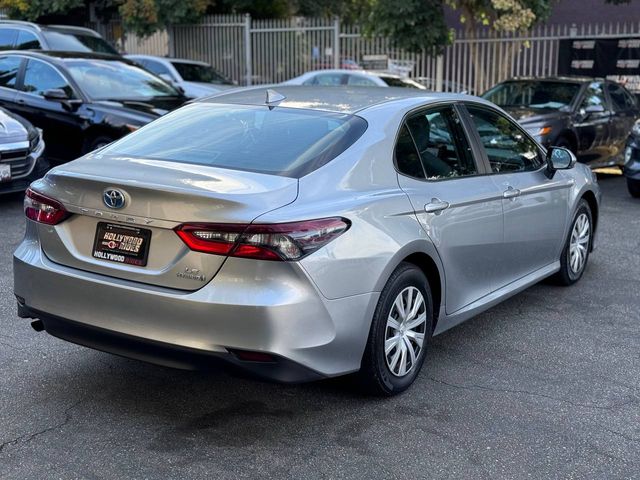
197,79
354,78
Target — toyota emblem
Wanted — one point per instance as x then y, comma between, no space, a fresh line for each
113,198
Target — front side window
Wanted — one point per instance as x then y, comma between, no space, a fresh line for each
282,141
27,41
594,96
40,77
9,67
115,80
439,145
508,148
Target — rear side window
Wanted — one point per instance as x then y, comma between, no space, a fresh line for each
157,68
282,141
439,146
619,98
9,67
326,79
77,42
27,41
7,38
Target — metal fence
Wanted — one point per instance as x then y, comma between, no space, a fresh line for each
268,51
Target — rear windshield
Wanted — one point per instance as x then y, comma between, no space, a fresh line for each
283,141
77,42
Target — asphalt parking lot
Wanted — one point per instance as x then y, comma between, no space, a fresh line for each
546,385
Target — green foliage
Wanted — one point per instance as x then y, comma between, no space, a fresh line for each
413,25
147,16
34,9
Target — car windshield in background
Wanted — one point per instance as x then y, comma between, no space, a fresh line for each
533,94
77,42
282,141
116,80
192,72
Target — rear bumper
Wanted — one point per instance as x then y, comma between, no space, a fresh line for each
165,354
269,307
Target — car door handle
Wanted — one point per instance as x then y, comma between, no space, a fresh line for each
511,193
436,206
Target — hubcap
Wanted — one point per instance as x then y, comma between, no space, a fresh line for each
579,244
405,330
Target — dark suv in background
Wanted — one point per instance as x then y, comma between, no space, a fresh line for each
590,116
17,35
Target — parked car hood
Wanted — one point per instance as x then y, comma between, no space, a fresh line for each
13,127
526,115
155,107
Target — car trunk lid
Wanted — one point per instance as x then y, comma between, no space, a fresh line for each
158,196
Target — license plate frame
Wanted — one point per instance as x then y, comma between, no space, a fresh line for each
123,244
5,172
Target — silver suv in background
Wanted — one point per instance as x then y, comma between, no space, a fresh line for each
197,79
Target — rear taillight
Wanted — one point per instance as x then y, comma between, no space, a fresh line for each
43,209
278,241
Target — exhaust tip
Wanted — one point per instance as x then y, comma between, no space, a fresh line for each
37,325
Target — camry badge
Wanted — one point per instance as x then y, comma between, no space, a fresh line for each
113,198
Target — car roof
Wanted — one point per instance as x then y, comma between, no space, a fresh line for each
165,59
568,79
346,71
61,56
332,99
55,28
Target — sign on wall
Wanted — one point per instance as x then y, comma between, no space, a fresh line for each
614,58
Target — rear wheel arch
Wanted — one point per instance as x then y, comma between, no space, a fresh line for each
430,269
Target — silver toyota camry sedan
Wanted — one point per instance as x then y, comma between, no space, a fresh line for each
301,233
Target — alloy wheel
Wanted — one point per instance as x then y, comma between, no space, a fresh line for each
579,244
405,331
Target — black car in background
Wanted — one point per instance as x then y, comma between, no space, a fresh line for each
590,116
21,149
631,168
82,101
17,35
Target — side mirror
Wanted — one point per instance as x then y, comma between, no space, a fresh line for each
56,94
559,158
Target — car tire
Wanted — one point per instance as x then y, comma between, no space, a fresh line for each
634,187
382,372
96,143
575,253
